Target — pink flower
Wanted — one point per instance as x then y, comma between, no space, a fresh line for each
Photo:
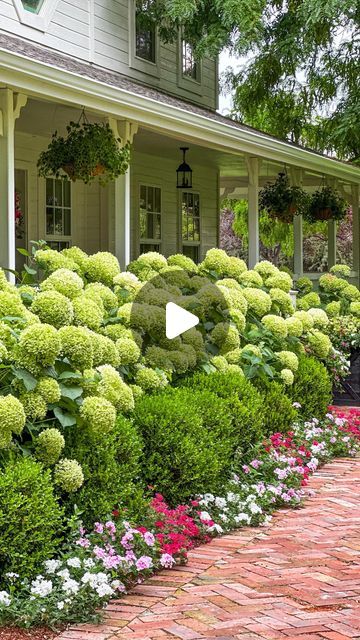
145,562
256,464
167,561
110,527
83,542
98,527
245,468
149,539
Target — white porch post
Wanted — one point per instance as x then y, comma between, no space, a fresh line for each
297,180
356,229
332,229
7,180
253,167
122,203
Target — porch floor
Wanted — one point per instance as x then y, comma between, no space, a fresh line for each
297,579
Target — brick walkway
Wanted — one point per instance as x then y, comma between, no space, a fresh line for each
297,579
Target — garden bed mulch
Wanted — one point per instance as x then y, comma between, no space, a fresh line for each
37,633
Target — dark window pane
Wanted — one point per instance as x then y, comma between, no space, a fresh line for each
157,204
191,252
190,67
143,218
145,35
58,231
67,194
32,5
67,223
49,191
58,193
145,248
49,221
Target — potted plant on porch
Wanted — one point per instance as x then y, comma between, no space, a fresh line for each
88,150
326,204
281,200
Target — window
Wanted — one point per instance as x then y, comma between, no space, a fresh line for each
190,224
150,218
32,5
58,213
190,66
145,33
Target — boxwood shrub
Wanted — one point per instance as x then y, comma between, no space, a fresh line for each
279,414
188,442
312,388
31,519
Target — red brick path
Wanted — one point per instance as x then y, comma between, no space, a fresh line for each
298,579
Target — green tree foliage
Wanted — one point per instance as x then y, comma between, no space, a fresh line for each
300,73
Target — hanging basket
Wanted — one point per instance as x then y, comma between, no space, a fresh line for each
88,151
326,204
282,201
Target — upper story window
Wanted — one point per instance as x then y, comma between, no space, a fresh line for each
145,33
32,5
190,65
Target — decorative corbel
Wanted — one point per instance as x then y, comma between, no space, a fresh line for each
20,100
123,129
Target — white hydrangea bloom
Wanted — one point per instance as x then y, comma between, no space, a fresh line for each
41,587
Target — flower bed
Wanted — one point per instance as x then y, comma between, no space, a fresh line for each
115,555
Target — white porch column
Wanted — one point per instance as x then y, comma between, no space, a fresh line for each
121,204
253,167
332,229
7,180
356,229
297,180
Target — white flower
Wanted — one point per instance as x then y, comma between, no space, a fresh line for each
51,566
74,562
89,563
204,515
70,587
217,528
5,599
104,590
41,587
242,517
61,605
64,573
232,497
254,508
224,517
209,497
220,503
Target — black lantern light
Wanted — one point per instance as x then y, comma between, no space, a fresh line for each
184,172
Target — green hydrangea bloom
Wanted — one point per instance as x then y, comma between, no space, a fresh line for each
114,389
150,380
128,350
355,309
68,475
236,267
158,358
294,326
195,339
306,319
87,313
6,336
77,255
38,347
49,445
234,356
99,415
90,381
276,325
30,318
106,350
27,293
144,273
198,282
50,260
137,391
220,363
210,295
333,309
96,290
102,267
311,299
230,283
234,298
320,318
226,337
141,316
252,349
319,343
251,278
302,305
287,377
4,284
179,360
235,369
259,302
152,260
179,260
341,270
64,281
352,293
280,280
176,276
266,268
54,308
304,285
76,346
282,301
11,304
34,405
3,352
238,319
12,419
288,359
126,286
153,296
216,260
331,284
190,354
49,390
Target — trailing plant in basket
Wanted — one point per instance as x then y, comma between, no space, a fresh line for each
282,201
326,204
88,150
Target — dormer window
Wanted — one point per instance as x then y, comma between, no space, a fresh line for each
145,36
190,65
32,5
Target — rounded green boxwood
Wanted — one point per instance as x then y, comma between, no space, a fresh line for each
279,414
312,388
30,517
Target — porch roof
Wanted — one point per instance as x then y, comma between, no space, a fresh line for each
42,72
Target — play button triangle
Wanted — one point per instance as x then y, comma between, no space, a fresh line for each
178,320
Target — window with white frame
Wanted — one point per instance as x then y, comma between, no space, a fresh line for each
58,213
150,218
190,65
190,224
145,33
32,5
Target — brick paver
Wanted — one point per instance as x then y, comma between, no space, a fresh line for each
298,579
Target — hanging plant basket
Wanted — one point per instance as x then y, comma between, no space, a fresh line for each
326,204
282,201
88,151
